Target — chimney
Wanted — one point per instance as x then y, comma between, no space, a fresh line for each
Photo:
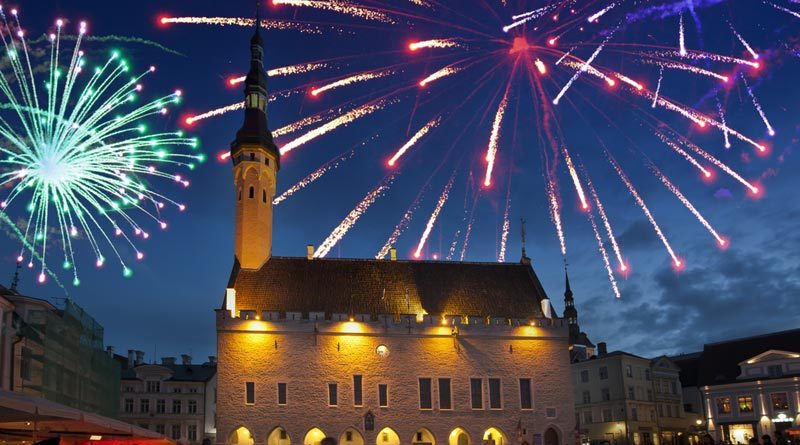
167,361
131,358
186,359
110,351
212,359
310,252
602,349
139,358
393,254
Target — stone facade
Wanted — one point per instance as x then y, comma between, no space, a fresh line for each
308,356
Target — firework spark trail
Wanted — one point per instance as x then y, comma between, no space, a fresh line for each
756,104
316,174
604,254
724,124
682,38
501,258
79,151
352,218
302,123
658,87
583,68
468,231
590,70
564,56
708,157
400,228
744,42
575,179
434,43
699,55
491,151
342,120
630,81
444,72
356,78
721,241
340,7
786,10
555,213
435,215
243,22
413,141
676,261
521,19
596,16
300,68
606,223
685,67
213,113
706,172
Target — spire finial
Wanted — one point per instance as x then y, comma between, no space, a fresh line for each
258,15
15,279
567,289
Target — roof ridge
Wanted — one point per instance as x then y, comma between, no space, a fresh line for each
374,260
751,337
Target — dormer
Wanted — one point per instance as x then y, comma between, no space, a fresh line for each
770,364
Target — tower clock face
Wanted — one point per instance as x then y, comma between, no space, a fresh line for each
382,350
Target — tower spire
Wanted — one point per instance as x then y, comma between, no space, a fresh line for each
15,279
523,233
567,289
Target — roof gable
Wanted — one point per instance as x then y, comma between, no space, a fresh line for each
771,355
349,286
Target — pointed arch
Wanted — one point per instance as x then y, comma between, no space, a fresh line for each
351,436
314,436
423,436
387,436
459,436
494,436
552,435
241,436
278,436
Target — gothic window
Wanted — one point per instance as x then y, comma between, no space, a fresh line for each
252,156
240,198
252,192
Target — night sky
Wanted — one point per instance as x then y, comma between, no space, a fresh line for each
166,307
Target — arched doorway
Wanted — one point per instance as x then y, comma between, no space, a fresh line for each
387,436
351,436
551,437
493,436
459,437
278,436
241,436
423,436
314,437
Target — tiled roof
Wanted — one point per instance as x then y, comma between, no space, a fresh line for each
180,373
720,361
348,286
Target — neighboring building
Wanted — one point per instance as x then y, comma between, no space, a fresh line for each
57,354
580,347
621,398
377,351
689,365
176,400
750,386
6,340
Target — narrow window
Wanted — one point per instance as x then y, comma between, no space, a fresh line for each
240,194
252,192
425,394
476,391
250,392
333,394
445,401
525,395
383,395
192,406
176,432
176,406
348,436
264,196
266,160
585,376
252,156
587,397
495,400
281,393
144,406
357,397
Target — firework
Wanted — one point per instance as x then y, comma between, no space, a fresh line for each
214,113
604,255
576,181
444,72
555,213
682,37
434,43
352,218
596,16
243,22
491,152
658,87
722,166
706,172
290,70
341,7
434,216
413,141
746,45
757,105
724,124
351,80
315,175
585,66
78,155
501,256
607,224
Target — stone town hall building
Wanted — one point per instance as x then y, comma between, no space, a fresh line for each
377,352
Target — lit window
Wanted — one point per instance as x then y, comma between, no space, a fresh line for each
780,401
333,394
357,394
525,394
495,399
745,404
281,393
250,393
445,401
724,405
425,394
476,391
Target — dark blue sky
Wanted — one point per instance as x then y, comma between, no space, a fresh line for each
167,306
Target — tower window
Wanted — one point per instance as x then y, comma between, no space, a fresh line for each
252,156
252,192
264,195
240,194
266,160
